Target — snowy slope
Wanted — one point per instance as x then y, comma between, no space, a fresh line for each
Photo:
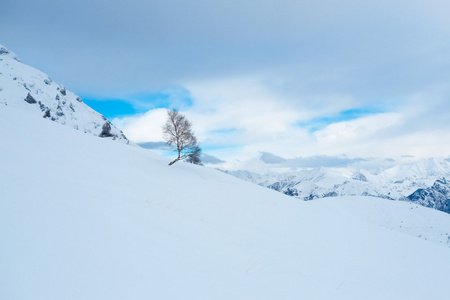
29,89
88,218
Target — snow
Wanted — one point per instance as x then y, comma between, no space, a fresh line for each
89,218
51,100
396,182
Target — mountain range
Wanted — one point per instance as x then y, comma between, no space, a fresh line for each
423,182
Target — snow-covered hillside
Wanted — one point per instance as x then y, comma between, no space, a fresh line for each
395,183
29,89
88,218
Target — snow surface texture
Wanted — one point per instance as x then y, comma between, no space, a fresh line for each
27,88
89,218
396,183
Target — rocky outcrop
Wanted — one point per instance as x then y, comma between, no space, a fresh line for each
437,196
29,99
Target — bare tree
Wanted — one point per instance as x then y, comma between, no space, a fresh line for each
178,133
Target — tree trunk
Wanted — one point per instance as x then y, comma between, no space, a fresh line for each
171,163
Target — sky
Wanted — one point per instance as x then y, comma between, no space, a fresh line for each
346,79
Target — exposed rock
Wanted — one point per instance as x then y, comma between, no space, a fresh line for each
330,194
26,87
360,177
5,51
436,196
30,99
106,130
291,192
42,106
47,113
62,90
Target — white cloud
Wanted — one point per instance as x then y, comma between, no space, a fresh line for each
243,104
243,111
143,128
357,130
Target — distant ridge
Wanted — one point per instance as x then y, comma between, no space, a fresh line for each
423,182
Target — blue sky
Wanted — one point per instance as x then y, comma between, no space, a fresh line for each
293,78
112,108
135,104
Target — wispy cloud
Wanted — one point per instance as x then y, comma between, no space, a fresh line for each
309,162
319,123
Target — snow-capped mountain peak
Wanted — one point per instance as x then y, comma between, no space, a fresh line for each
399,182
29,89
5,52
